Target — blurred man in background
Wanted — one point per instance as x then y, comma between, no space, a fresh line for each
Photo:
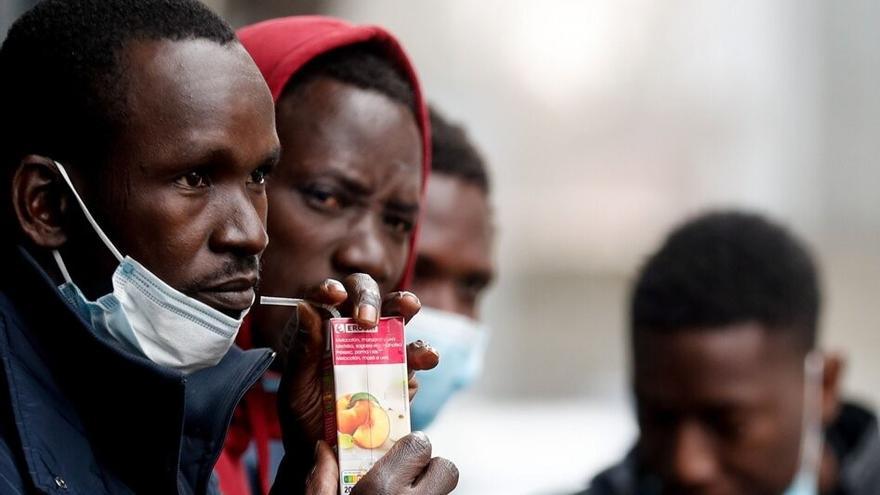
453,267
732,395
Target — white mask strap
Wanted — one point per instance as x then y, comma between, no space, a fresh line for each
811,443
62,266
89,217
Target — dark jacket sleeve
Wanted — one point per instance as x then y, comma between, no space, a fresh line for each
620,479
10,477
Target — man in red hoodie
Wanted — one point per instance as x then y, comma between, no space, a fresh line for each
344,199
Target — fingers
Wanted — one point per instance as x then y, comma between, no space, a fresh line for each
364,300
408,468
421,356
330,292
324,478
303,340
300,407
439,478
402,303
399,467
412,386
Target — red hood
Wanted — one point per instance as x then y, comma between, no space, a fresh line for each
281,47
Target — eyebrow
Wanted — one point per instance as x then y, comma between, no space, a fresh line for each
427,261
358,188
223,156
403,208
272,158
481,276
354,185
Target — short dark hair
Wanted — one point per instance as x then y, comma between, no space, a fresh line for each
725,268
364,65
453,153
62,90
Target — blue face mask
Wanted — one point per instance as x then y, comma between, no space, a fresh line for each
149,317
803,484
461,342
806,480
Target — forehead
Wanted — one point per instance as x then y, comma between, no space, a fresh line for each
457,221
328,123
186,96
742,362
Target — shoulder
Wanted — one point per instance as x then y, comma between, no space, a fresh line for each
619,479
854,438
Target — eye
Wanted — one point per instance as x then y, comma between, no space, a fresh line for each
730,426
259,176
471,288
399,225
322,198
193,180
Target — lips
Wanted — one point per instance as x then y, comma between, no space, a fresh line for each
231,297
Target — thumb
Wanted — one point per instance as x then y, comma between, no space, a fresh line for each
299,395
302,340
324,479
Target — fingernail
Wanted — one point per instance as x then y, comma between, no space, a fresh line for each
418,344
366,312
335,285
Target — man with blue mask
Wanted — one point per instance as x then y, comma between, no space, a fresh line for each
454,266
732,394
137,139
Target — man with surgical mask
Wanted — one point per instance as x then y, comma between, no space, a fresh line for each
732,394
137,139
454,266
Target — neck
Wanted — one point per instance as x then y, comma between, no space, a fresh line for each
828,471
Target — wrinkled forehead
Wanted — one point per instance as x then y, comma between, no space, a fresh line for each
742,362
182,93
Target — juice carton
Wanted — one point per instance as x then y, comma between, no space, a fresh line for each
366,393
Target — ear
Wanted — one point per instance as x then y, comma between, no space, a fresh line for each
40,200
832,376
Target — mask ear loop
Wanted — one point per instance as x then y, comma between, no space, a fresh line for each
811,443
89,217
62,266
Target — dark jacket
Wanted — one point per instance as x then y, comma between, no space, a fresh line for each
78,415
853,438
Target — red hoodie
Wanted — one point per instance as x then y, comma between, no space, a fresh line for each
281,47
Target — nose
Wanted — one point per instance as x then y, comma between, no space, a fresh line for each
363,251
242,228
693,462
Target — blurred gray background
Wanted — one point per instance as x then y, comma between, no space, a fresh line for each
605,123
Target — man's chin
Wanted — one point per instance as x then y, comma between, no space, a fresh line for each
231,302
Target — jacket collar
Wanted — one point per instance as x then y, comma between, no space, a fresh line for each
146,424
855,440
